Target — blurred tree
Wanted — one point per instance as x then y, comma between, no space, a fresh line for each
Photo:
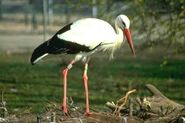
94,9
26,12
33,4
162,22
50,12
68,11
1,14
45,18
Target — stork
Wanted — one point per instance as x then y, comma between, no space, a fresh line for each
83,38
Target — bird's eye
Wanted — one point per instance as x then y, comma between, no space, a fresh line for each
122,22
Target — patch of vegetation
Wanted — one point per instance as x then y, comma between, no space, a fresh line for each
32,87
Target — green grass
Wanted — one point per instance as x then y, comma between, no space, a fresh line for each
26,86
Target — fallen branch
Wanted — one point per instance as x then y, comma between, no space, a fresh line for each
157,108
122,102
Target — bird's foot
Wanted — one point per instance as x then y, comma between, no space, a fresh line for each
87,113
64,108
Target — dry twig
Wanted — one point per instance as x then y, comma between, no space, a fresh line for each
122,102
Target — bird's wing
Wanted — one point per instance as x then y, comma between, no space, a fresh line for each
89,32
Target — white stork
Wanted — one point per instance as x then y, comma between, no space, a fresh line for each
83,38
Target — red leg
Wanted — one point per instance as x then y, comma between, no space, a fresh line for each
85,77
65,72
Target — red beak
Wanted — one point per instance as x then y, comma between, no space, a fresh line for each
129,39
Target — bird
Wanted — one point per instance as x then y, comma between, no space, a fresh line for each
83,38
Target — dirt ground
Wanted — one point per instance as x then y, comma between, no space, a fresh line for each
153,109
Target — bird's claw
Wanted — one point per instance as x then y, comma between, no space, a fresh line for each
64,108
87,113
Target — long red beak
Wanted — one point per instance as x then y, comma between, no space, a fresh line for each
129,39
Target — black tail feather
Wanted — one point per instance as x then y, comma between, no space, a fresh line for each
39,53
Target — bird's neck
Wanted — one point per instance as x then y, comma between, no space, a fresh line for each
119,36
118,41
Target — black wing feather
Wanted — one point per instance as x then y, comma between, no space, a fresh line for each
57,45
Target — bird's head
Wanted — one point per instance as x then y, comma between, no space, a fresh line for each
124,23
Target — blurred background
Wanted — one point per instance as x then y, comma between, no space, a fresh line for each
158,32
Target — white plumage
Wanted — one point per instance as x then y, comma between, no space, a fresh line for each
83,38
90,32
